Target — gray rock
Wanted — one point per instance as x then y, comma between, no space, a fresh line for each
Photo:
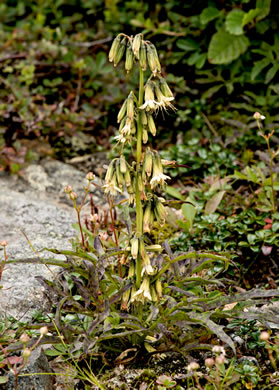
36,205
37,363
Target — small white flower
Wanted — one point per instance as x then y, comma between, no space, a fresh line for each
143,293
120,138
150,105
258,116
110,188
158,179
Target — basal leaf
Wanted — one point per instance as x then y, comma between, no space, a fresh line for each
213,203
189,212
225,47
208,14
234,22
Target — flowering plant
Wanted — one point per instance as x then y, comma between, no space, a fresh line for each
144,178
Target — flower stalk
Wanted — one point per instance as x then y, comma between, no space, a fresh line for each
143,179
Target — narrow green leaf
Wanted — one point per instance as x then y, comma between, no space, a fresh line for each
213,203
174,192
258,67
225,47
187,44
234,22
271,73
208,14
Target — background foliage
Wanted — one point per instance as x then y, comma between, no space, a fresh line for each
56,82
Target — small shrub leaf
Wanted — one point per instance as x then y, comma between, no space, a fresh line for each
234,22
225,47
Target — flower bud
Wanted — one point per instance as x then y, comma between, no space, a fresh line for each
26,353
151,124
144,135
122,112
110,171
136,45
119,177
154,296
160,212
156,57
120,52
68,189
147,162
258,116
129,59
143,118
193,366
127,178
147,218
123,165
125,300
158,286
209,362
142,56
73,196
165,88
24,338
90,176
134,247
114,48
264,336
139,182
130,106
220,360
44,330
131,272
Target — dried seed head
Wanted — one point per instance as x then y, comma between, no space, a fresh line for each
114,48
142,56
120,52
129,59
136,45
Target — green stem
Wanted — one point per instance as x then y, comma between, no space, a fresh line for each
139,210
